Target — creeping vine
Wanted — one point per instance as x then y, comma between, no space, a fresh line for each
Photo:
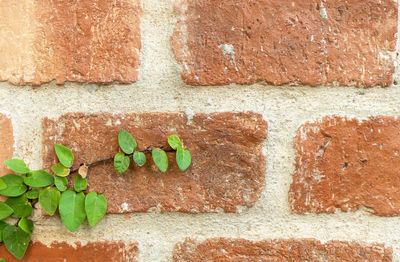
25,188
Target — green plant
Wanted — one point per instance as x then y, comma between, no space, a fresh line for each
25,188
128,146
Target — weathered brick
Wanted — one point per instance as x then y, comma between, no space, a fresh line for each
224,249
6,142
84,41
63,252
301,42
16,58
344,164
228,166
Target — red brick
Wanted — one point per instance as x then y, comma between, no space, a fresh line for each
344,163
228,166
85,41
63,252
6,142
223,249
301,42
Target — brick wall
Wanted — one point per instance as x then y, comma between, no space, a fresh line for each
290,110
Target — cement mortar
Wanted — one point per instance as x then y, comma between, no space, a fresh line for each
160,88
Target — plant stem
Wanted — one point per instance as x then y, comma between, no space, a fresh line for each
104,160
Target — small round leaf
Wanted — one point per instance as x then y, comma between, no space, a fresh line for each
80,183
39,178
64,154
72,209
5,210
2,226
139,158
16,240
174,141
20,205
61,183
96,207
17,166
49,199
183,158
121,162
32,194
3,185
126,142
60,170
160,159
26,225
15,185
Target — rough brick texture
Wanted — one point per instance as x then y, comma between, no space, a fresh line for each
228,166
226,250
63,252
84,41
280,42
6,142
345,163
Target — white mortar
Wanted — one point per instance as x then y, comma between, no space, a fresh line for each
160,88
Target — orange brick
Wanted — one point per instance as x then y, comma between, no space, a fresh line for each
63,252
218,42
228,166
230,250
84,41
6,142
344,163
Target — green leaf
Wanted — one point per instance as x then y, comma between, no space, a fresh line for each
61,183
39,178
3,185
20,205
139,158
80,183
160,159
5,210
183,158
17,166
95,207
2,226
72,209
2,260
121,162
60,170
126,142
15,185
32,194
16,240
174,141
26,225
64,154
49,199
